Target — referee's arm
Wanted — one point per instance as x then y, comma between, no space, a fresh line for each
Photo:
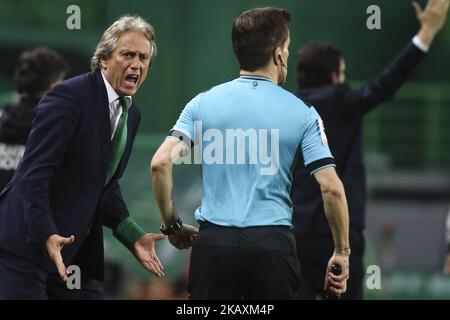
336,210
161,171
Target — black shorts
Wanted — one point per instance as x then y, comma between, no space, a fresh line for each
244,263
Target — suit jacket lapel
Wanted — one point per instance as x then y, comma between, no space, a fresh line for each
102,111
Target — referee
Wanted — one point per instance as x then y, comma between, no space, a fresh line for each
249,132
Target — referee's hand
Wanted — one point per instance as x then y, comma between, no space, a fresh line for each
184,237
337,284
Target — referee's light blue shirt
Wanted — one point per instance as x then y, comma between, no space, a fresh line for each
249,132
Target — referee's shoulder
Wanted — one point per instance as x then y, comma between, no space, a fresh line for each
292,100
222,86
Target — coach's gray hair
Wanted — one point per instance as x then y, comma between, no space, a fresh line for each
108,42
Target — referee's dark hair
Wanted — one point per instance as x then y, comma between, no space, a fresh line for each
315,64
257,33
38,69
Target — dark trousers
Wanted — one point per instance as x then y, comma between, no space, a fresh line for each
57,290
22,280
243,263
314,254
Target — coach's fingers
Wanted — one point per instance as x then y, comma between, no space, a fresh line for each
60,266
66,241
154,268
54,244
158,262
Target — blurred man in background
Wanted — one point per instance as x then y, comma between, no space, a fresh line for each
38,71
245,248
321,77
67,184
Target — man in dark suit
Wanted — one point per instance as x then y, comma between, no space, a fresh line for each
321,78
66,186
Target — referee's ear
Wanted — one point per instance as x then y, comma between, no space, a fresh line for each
277,56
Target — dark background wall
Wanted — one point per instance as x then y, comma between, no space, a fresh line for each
195,46
195,53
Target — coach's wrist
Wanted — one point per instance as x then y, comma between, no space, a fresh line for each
128,232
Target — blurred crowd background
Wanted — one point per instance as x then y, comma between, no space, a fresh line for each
407,140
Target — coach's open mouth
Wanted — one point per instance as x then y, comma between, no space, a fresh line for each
132,79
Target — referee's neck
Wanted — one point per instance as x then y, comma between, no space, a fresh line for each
263,73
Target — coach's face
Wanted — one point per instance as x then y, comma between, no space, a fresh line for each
127,67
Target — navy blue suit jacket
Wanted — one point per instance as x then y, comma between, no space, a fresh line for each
342,110
59,186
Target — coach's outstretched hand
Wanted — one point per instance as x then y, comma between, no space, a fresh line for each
431,19
184,237
144,251
54,245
